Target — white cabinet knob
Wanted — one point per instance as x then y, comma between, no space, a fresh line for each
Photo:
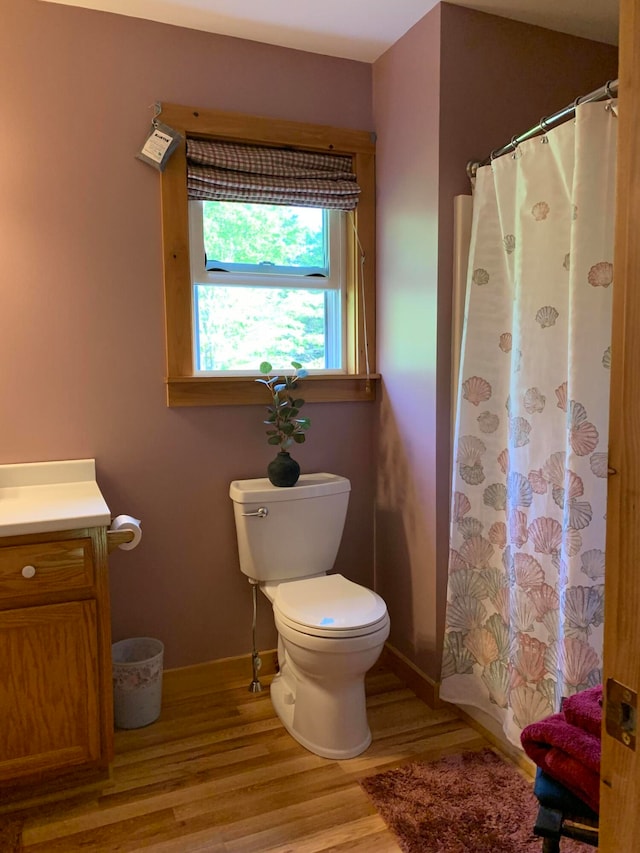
28,571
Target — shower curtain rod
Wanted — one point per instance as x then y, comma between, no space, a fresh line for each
609,90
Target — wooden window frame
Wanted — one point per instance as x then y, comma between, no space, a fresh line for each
184,387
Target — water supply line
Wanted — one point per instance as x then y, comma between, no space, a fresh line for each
256,663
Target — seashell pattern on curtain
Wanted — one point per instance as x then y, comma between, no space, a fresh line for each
525,604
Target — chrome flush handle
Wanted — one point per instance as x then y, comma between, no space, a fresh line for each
261,512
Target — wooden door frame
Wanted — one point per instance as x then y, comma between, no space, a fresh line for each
620,769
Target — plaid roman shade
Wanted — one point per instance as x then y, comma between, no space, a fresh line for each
228,171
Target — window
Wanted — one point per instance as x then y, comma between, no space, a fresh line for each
267,279
313,285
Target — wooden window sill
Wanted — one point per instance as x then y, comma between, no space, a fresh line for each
243,390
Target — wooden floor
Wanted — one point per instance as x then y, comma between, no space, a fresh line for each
217,772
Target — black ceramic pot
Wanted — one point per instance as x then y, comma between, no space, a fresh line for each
283,470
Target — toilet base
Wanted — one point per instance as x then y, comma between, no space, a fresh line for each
284,703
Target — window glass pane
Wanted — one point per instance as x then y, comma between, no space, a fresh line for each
239,327
239,233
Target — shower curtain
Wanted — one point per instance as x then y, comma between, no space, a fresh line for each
526,567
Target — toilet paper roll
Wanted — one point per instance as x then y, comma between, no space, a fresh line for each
128,522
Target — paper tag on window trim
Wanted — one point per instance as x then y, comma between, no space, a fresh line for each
159,145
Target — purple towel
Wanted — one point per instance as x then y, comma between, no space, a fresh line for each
569,754
584,710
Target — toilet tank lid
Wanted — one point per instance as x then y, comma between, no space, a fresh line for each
308,486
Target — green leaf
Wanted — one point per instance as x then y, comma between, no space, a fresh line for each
284,425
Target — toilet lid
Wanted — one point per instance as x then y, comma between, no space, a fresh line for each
329,602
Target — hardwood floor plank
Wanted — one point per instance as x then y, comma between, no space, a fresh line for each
349,832
205,842
392,752
121,835
292,823
268,793
381,842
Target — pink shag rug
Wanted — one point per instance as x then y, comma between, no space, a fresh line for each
473,802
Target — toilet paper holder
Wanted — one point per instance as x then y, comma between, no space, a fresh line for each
125,532
116,538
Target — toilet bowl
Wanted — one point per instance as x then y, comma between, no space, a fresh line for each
319,691
330,630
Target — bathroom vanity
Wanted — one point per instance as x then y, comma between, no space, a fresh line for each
56,718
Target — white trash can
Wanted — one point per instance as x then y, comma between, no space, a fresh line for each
137,681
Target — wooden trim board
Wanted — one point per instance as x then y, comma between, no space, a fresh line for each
231,672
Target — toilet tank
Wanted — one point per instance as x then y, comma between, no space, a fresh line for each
300,532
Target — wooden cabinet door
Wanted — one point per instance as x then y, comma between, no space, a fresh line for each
49,714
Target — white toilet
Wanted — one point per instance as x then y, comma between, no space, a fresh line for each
330,630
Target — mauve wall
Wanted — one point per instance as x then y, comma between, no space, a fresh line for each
82,343
455,86
406,106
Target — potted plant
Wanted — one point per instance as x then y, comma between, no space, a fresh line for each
284,424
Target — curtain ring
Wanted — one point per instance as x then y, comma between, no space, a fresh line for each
607,89
514,143
544,128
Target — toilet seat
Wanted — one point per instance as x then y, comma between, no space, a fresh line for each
330,606
331,634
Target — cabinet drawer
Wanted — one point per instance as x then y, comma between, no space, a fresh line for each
34,570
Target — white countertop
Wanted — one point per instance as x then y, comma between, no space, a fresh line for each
39,497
